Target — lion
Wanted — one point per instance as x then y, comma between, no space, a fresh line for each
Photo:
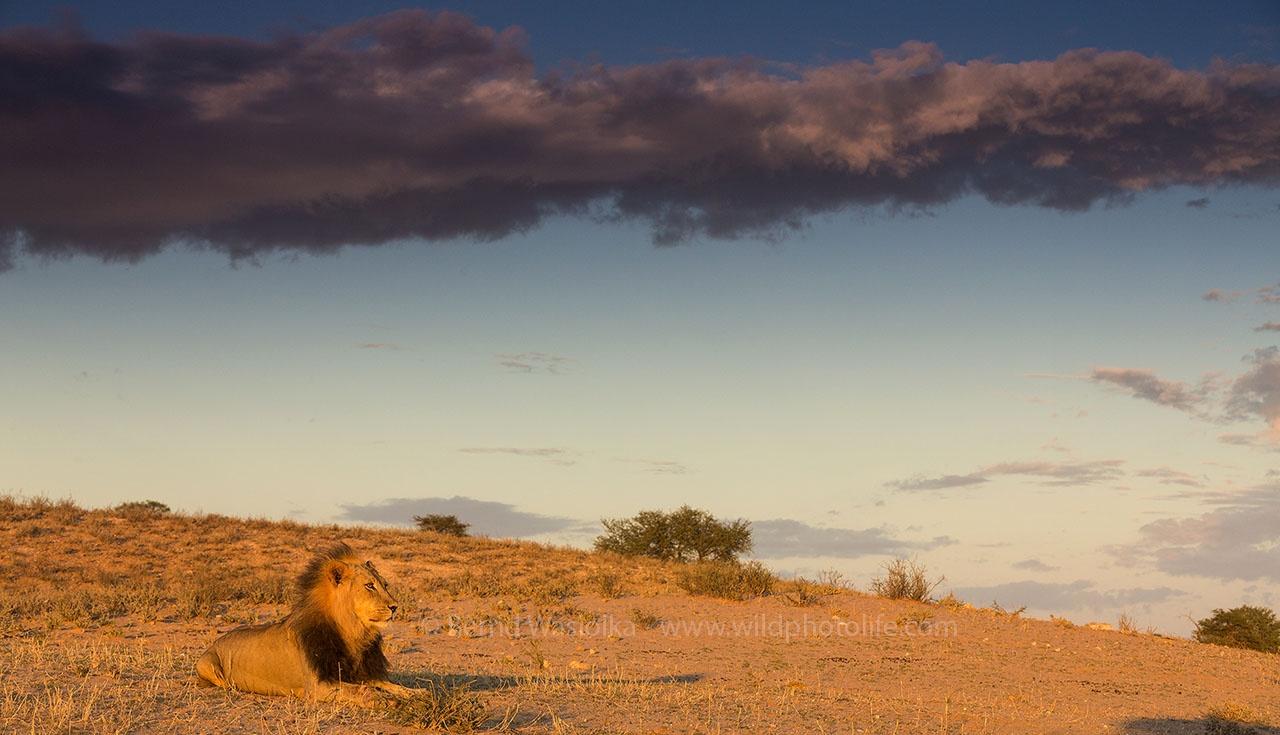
329,647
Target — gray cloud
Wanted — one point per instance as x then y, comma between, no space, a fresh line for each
1254,394
663,467
1199,203
1257,391
487,518
378,346
1146,385
426,125
1265,440
1268,327
1050,473
555,455
1034,565
1078,595
787,538
921,482
1238,539
533,362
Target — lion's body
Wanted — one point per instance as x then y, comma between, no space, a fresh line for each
329,646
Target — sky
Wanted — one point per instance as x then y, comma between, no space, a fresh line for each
992,288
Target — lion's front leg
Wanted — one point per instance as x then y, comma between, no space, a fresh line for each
357,694
392,688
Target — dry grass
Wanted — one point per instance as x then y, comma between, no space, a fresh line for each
437,706
729,580
1233,718
905,579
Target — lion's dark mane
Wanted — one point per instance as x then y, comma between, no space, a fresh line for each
329,656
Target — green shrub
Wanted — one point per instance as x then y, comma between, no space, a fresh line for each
728,579
905,579
682,535
448,525
1242,627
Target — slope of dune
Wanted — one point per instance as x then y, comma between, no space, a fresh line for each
103,614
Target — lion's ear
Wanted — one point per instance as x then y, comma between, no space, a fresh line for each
337,572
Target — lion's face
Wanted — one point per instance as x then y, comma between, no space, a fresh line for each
370,599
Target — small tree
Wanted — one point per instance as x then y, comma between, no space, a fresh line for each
1241,627
448,525
686,534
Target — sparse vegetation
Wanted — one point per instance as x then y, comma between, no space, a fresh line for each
1233,718
448,525
1125,625
682,535
905,579
728,579
437,706
141,509
608,584
802,593
1000,610
951,602
918,619
645,620
1246,626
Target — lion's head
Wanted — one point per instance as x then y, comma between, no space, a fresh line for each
351,592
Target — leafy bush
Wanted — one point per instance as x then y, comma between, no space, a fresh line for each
728,579
905,579
681,535
448,525
1241,627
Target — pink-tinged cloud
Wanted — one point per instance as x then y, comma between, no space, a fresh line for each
1220,296
422,125
1146,385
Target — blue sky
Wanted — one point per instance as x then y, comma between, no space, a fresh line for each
821,381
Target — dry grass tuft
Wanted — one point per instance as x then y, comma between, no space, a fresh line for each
951,602
437,706
905,579
645,620
726,579
1231,718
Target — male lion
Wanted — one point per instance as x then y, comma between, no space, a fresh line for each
329,647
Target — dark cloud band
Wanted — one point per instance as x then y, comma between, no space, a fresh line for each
421,125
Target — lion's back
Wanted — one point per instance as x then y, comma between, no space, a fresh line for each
260,658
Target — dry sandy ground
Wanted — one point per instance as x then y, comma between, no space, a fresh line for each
104,616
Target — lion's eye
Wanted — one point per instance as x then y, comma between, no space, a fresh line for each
369,586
